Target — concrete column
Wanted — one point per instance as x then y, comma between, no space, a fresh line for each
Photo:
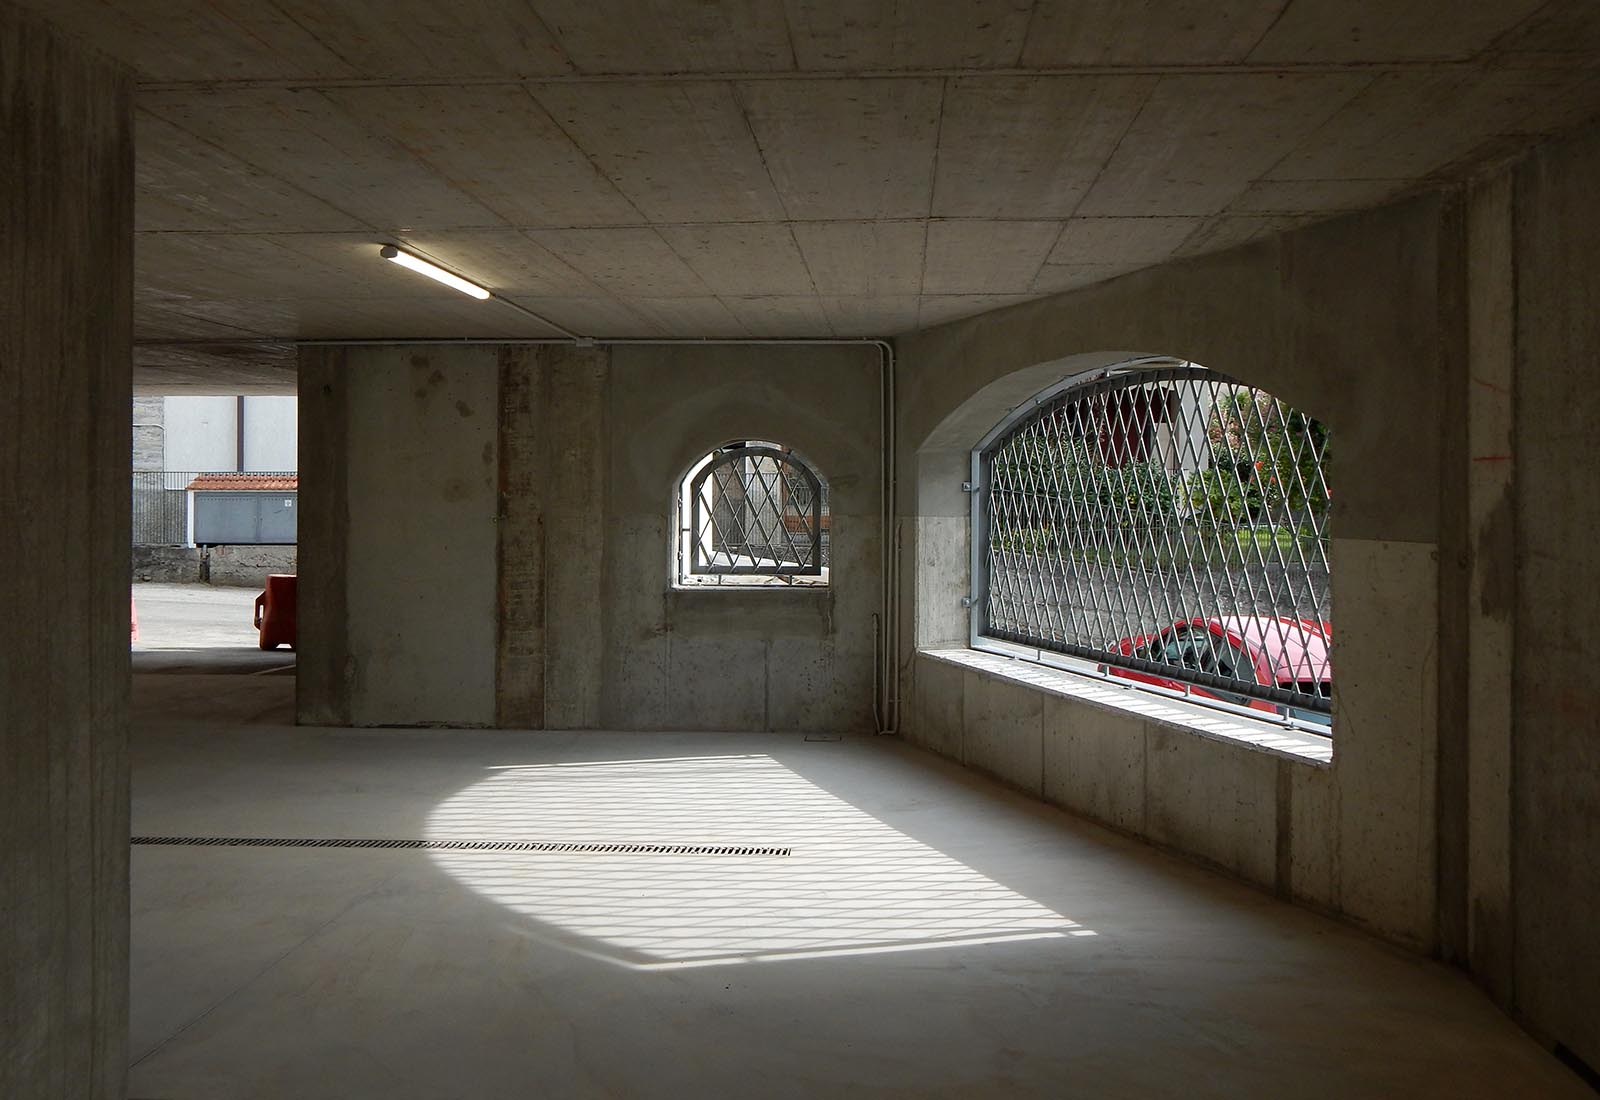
324,667
1555,750
575,472
397,542
66,276
520,651
1490,605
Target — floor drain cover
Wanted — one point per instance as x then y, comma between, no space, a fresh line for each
567,847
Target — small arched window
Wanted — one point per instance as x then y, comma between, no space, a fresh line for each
1169,524
752,513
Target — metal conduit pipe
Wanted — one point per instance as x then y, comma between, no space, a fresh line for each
886,705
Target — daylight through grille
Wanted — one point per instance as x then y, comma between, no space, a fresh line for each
1170,524
553,846
754,509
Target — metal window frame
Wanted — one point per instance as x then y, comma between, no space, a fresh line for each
1006,643
727,457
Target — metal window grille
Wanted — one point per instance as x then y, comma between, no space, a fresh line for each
1170,524
753,509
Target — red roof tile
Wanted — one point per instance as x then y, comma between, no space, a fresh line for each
265,483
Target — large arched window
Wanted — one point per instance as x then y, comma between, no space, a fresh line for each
752,513
1167,523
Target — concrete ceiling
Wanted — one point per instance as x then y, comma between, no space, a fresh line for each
730,168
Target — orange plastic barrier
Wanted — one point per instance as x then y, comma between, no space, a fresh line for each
275,611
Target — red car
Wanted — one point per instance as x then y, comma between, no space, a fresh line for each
1271,651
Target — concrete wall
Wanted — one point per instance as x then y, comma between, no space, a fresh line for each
555,557
1344,321
232,566
412,551
66,278
1449,343
1547,598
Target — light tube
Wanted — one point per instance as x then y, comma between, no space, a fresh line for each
432,271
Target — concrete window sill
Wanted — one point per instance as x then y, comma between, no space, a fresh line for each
1202,721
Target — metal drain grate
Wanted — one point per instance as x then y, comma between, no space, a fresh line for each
567,847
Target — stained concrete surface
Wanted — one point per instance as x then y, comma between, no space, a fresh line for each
66,299
195,628
930,935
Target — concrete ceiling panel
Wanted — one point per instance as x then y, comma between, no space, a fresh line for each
680,152
218,369
1146,32
413,317
707,317
1409,125
197,39
425,38
908,34
268,266
301,138
937,309
1030,147
258,316
496,145
1055,278
1563,31
155,319
1200,141
1098,241
783,167
870,259
871,317
743,259
624,261
847,149
1384,30
181,183
977,257
590,316
1230,231
779,316
1315,196
670,36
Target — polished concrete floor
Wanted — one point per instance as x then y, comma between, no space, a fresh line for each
928,935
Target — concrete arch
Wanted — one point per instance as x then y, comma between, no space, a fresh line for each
1344,323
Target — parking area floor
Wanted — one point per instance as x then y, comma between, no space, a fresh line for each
621,915
199,628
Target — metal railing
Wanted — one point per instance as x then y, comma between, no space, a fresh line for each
1169,524
753,510
161,502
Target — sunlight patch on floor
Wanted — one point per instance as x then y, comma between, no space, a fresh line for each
851,885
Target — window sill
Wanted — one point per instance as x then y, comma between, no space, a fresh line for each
1203,721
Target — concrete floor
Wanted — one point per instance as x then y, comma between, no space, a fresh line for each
200,628
931,935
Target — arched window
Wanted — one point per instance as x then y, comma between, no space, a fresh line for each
1169,524
752,513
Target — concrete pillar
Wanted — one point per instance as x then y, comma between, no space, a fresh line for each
66,276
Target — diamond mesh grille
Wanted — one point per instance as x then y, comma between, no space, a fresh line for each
756,511
1170,524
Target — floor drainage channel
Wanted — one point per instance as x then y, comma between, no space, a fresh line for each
565,847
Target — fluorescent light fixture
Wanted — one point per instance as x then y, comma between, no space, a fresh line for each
432,271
